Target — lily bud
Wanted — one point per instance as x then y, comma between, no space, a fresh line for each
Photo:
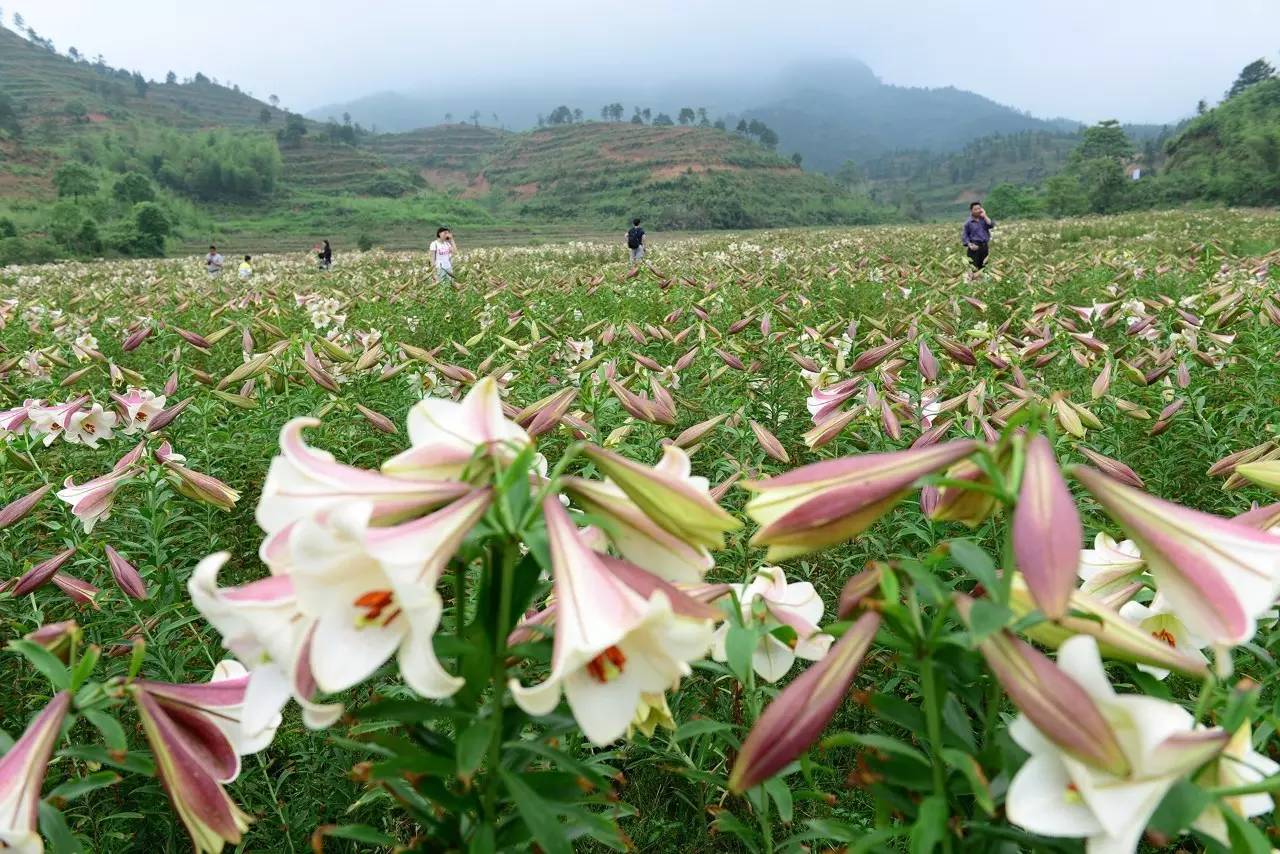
57,638
957,504
126,575
769,442
858,588
202,487
165,418
1046,530
377,419
38,575
1050,699
1112,468
822,504
20,507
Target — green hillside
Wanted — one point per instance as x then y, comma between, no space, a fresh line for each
91,157
1231,153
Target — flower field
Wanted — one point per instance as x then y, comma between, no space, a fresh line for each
789,541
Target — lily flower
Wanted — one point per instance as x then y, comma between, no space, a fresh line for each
1159,621
90,427
653,712
193,759
1217,574
22,772
1046,530
139,408
638,538
446,436
1111,569
669,494
796,606
261,625
822,504
91,501
372,591
1238,765
51,421
1056,794
612,645
303,481
797,716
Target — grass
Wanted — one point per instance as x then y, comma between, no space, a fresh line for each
813,285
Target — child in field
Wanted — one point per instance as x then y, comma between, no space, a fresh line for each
213,261
246,269
442,251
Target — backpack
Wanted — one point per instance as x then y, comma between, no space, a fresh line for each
633,237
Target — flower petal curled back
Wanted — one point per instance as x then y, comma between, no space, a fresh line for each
797,716
822,504
1046,530
669,494
1218,574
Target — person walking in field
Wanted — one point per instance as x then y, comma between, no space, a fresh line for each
635,241
213,262
976,235
324,253
443,250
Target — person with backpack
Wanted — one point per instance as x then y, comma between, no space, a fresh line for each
324,254
635,241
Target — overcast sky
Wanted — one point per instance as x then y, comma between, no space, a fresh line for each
1136,60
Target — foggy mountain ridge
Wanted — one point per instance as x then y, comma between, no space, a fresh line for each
828,110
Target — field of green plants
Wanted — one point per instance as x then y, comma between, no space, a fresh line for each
789,541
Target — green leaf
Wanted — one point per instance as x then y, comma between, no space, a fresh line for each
986,618
977,563
537,815
930,826
483,842
875,741
84,667
978,783
727,822
357,833
781,794
135,762
44,661
72,789
1244,835
1180,806
472,744
54,827
739,645
699,726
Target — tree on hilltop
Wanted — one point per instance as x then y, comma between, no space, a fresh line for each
273,100
687,116
663,119
1253,73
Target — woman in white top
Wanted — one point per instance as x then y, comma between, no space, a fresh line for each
443,250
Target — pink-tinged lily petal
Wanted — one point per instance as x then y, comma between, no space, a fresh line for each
40,574
446,436
637,537
1046,530
645,583
669,494
22,773
797,716
928,362
126,575
1058,706
91,501
188,761
130,459
304,480
20,507
822,504
1264,518
1117,638
222,702
1218,574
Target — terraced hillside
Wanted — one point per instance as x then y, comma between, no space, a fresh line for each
346,169
448,157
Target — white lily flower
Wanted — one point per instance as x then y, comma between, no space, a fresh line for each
796,605
139,406
1239,765
372,591
1109,566
612,645
91,426
1160,621
1055,794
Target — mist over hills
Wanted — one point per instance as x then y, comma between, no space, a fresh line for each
829,111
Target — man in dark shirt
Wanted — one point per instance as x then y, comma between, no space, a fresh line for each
976,236
635,241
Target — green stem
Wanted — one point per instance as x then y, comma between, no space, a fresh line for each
1266,784
932,709
1206,693
552,482
509,555
275,801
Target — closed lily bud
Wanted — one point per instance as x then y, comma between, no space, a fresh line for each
957,504
1053,701
928,363
858,588
57,638
171,385
822,504
165,418
20,507
40,574
202,487
824,432
868,359
126,575
1111,467
1103,383
691,435
769,442
796,717
377,420
198,341
316,370
135,338
1046,530
546,413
